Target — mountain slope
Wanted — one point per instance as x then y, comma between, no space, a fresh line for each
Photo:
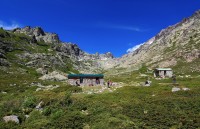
35,48
175,45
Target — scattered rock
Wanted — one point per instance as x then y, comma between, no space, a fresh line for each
178,89
4,62
42,71
175,89
145,111
38,89
86,126
12,118
13,84
42,87
187,76
3,92
185,89
143,75
27,116
54,76
45,88
148,83
39,106
36,84
85,112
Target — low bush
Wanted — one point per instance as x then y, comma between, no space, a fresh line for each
29,102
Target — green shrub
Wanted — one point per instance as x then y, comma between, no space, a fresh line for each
57,114
46,111
29,102
36,120
68,120
67,98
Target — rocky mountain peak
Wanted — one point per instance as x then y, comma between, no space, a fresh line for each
109,55
197,13
38,31
39,34
69,49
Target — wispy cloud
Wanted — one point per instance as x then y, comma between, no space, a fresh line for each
121,27
137,29
10,26
134,48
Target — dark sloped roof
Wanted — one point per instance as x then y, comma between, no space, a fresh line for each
71,76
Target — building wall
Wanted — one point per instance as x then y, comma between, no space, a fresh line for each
169,73
86,82
162,73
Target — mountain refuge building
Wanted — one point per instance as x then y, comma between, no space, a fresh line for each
86,79
163,72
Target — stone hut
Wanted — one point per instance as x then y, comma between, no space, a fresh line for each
163,72
86,79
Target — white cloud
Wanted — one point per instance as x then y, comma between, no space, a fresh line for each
137,29
120,27
7,26
134,48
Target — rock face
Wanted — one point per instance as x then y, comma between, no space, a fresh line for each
69,49
177,43
39,34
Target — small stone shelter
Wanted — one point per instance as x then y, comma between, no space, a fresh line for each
86,79
163,72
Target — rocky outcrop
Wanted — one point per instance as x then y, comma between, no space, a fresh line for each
12,118
4,62
39,106
38,34
56,76
69,49
42,71
106,56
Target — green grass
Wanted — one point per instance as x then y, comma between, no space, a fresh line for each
127,107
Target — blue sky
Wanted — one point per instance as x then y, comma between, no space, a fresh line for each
98,25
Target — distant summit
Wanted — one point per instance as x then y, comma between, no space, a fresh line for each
39,34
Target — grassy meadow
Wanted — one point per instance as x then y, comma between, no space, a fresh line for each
130,106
